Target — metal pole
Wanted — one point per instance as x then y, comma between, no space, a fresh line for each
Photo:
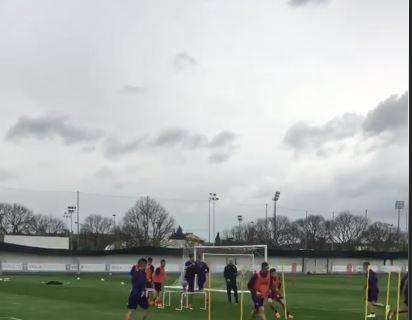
266,219
78,219
399,217
306,227
275,223
214,221
366,214
333,222
209,219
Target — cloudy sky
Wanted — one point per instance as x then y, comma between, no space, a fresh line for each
176,99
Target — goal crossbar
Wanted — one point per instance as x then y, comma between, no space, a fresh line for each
254,246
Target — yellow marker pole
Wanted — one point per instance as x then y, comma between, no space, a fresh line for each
241,297
388,288
210,297
399,295
366,293
284,293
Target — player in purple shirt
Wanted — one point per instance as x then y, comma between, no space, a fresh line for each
189,277
202,269
190,273
137,295
373,289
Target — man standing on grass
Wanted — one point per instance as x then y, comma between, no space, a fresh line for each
137,295
259,286
159,277
404,294
373,290
189,276
230,274
202,269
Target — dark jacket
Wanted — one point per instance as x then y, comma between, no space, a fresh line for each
230,272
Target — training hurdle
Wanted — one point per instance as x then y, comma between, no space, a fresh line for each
388,288
184,297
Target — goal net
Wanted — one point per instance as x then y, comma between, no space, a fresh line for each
246,259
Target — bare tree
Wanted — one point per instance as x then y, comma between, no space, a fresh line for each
96,232
97,224
147,223
349,230
5,211
17,219
381,236
47,225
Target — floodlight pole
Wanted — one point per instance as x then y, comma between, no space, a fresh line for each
266,223
78,219
275,226
399,205
333,225
306,227
213,197
209,217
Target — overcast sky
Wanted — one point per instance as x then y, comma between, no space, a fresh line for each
176,99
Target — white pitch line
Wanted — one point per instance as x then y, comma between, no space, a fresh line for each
10,318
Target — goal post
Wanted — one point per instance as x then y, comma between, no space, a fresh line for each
217,257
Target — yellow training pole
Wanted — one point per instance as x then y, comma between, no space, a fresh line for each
241,297
388,288
284,293
366,293
399,295
210,297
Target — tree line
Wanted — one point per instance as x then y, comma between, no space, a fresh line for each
346,232
148,223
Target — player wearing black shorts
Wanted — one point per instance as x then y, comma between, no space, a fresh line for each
137,297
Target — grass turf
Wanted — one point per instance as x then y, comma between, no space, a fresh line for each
27,297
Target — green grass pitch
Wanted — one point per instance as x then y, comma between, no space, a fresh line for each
27,297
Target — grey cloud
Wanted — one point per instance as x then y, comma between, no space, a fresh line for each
133,90
303,136
219,157
183,61
385,124
222,144
49,127
171,137
391,114
222,139
299,3
113,147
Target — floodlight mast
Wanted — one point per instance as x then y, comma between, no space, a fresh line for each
399,205
275,225
212,199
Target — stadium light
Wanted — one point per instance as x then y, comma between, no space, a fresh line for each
240,219
399,205
275,226
212,199
114,223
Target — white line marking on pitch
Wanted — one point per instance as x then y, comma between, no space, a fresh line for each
10,318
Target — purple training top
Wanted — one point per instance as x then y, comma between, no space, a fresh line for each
138,279
190,269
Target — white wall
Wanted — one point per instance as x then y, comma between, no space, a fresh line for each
38,241
19,262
